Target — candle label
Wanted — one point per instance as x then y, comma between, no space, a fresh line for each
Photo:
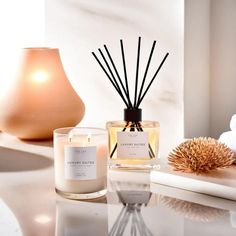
80,163
132,144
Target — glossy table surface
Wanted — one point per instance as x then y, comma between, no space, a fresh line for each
133,206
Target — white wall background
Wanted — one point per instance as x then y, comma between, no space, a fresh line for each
22,24
196,68
79,27
210,69
222,65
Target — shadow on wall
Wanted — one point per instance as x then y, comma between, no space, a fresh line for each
14,160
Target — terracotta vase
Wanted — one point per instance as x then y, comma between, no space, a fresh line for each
41,98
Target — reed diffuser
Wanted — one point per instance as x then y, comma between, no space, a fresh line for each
133,143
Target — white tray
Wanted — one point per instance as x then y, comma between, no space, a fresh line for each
220,183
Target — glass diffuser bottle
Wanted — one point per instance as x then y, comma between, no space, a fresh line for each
133,143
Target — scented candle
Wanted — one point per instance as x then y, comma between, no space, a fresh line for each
80,159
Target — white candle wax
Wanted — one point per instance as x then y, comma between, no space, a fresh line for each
85,175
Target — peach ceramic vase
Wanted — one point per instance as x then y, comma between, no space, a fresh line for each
41,98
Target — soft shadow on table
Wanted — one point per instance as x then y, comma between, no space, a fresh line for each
224,173
43,142
14,160
102,200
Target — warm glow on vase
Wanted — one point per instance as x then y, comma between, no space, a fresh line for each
41,98
40,76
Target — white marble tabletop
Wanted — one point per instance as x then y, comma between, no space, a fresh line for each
133,206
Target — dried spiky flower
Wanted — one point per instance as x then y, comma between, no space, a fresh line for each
200,155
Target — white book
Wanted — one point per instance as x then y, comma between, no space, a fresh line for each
219,183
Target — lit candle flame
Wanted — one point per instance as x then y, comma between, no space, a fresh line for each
40,76
89,137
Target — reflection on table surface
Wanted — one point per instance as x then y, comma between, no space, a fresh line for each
133,206
134,209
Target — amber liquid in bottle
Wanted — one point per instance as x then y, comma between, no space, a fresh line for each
133,145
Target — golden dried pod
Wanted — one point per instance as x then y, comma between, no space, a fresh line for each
200,155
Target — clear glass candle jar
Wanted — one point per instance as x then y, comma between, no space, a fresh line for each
80,162
133,145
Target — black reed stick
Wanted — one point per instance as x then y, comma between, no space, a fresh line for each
126,96
111,73
125,72
118,76
139,128
137,69
146,70
114,149
117,89
154,76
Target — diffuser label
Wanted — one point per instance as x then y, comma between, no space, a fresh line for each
132,145
80,163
